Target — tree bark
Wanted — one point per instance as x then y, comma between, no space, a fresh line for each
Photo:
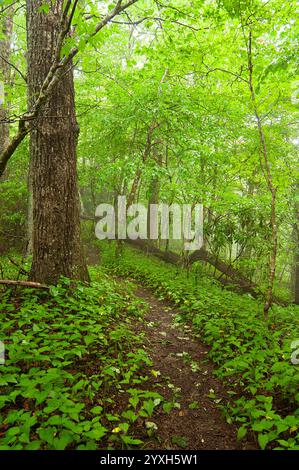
56,215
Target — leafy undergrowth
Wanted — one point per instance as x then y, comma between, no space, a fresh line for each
75,374
253,357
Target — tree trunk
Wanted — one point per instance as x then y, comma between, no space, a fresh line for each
296,289
29,240
53,139
5,49
154,190
266,168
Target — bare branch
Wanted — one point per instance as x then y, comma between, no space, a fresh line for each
14,67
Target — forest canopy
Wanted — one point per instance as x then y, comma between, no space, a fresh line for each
162,102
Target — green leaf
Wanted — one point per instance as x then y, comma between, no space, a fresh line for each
241,433
44,8
131,441
263,440
47,435
96,410
34,445
64,439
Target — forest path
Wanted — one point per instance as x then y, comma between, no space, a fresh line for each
182,359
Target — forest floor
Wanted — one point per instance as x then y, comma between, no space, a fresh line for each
126,362
182,361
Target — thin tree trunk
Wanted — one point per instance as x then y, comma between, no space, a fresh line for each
265,164
154,190
5,51
296,289
56,213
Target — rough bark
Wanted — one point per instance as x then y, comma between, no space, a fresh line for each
56,213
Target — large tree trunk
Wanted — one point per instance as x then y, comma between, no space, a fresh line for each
56,214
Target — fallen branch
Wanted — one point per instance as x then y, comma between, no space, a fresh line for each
34,285
87,217
226,269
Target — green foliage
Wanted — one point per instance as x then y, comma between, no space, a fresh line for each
189,77
72,367
253,357
178,86
13,207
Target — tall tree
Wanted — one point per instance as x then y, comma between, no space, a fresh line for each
51,121
5,49
296,251
54,131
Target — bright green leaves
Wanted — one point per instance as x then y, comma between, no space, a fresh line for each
250,356
44,8
236,7
70,353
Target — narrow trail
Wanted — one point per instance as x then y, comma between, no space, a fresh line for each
182,359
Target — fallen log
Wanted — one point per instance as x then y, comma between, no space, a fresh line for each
225,268
33,285
199,255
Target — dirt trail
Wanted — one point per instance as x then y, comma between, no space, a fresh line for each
183,359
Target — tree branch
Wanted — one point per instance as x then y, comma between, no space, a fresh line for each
55,73
13,145
14,67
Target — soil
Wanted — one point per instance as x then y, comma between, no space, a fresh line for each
174,350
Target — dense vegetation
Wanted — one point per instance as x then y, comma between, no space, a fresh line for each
252,357
72,355
78,375
175,102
